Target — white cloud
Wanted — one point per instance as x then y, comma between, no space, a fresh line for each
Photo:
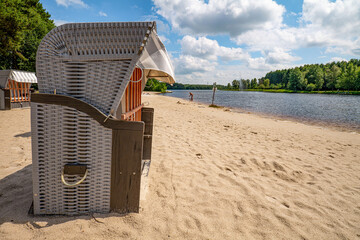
102,14
160,25
202,55
231,17
203,47
279,56
339,21
187,64
337,59
261,64
342,16
223,74
59,22
205,69
259,24
334,25
67,3
256,26
164,39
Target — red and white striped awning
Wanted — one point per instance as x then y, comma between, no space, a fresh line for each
16,75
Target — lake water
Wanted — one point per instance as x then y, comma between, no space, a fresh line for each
337,110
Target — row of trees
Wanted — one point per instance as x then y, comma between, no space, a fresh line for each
154,85
331,76
180,86
23,23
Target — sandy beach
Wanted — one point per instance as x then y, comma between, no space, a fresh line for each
215,174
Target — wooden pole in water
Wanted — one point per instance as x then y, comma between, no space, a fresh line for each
213,97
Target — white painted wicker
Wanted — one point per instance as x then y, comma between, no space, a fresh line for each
92,62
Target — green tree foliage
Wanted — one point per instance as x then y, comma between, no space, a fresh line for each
310,87
332,76
235,84
296,80
335,75
267,83
357,82
23,23
253,83
180,86
244,84
261,86
347,79
156,86
319,78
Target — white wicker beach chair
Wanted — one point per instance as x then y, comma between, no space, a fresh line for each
81,152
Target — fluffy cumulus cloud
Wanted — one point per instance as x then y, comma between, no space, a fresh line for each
186,64
257,26
279,56
263,65
203,47
76,3
339,21
201,55
334,25
231,17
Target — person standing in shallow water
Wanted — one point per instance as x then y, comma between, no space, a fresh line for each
191,96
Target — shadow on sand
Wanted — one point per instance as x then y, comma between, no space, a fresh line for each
24,135
16,200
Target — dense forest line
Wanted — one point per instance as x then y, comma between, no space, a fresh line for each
180,86
332,76
155,85
320,77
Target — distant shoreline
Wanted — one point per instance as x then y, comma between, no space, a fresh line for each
277,91
292,91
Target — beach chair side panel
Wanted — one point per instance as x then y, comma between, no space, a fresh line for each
63,135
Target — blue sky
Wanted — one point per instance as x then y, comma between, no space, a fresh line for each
221,40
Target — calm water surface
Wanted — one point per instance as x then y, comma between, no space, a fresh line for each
338,110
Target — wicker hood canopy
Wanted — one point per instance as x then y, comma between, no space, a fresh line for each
87,60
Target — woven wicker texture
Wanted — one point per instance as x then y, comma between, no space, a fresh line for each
64,135
92,62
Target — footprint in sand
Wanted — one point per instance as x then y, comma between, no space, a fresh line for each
278,166
285,204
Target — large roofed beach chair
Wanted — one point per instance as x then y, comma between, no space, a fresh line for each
90,76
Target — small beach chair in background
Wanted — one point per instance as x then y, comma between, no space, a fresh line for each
15,88
91,134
